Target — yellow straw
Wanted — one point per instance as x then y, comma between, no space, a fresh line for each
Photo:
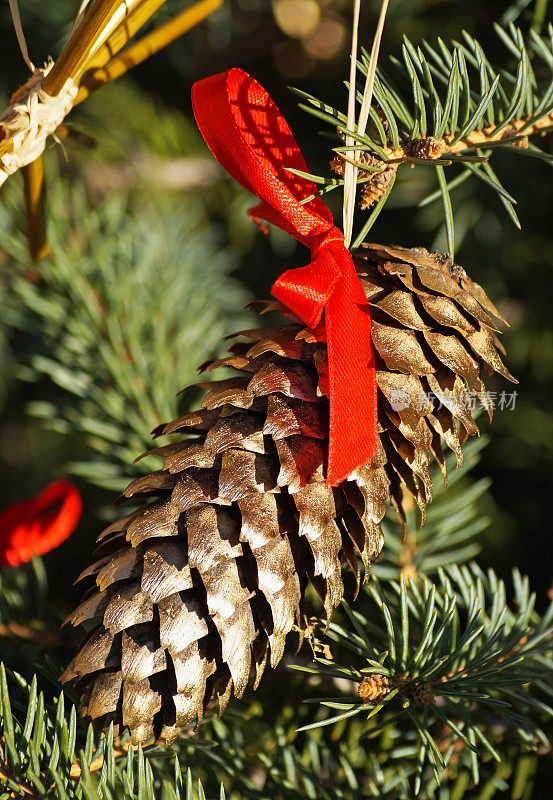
139,14
145,47
82,42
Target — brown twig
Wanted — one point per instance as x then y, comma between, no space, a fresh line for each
431,149
445,146
74,773
27,790
96,765
13,630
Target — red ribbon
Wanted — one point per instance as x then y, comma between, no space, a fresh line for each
249,136
34,527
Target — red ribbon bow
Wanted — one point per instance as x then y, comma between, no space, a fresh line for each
249,136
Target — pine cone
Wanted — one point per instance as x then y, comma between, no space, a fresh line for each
204,581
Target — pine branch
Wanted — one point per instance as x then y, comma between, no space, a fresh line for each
461,110
45,754
115,340
284,764
449,660
47,750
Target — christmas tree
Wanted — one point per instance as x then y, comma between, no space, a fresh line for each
366,626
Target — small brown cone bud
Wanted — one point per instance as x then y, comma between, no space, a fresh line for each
337,165
374,687
429,147
420,695
510,133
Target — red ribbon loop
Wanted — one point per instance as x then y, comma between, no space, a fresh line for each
249,136
36,526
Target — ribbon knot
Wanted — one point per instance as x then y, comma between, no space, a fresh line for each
307,290
251,139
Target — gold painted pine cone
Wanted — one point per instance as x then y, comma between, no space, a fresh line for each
198,588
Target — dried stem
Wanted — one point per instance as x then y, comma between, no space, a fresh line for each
350,171
16,18
371,72
35,196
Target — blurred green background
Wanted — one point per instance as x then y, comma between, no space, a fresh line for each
150,195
